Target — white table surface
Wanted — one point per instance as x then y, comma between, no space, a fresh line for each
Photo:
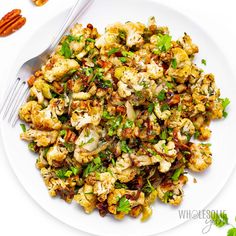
18,212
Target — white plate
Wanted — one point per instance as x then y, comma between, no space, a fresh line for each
197,196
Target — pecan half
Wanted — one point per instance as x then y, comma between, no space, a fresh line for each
11,22
39,3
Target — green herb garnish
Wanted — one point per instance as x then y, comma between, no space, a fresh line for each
124,147
225,102
128,124
176,174
204,62
150,108
162,95
23,127
112,51
174,63
124,205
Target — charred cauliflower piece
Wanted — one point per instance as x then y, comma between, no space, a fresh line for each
28,109
57,67
41,138
86,198
56,153
189,47
183,65
172,192
80,118
123,170
200,157
86,142
103,184
41,90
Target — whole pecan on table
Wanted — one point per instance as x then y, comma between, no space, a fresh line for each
39,3
11,22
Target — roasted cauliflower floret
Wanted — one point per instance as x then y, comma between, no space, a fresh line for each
41,90
200,157
28,109
57,105
123,169
154,71
172,191
46,119
56,153
123,89
145,160
189,47
41,138
134,32
186,130
86,198
86,142
183,65
110,37
57,67
80,118
165,148
163,115
103,184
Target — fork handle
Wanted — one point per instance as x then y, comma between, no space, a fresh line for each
75,12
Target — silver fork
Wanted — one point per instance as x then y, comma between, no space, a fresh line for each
18,90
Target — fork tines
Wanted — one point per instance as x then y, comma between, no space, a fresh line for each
14,97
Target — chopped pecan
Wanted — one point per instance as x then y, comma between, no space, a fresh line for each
174,100
31,80
70,136
39,3
11,22
121,109
58,87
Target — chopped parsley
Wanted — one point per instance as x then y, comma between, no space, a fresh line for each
106,115
114,124
162,95
119,185
23,127
163,135
174,63
66,173
124,205
123,59
33,146
196,134
165,107
225,102
150,108
204,62
65,50
148,188
112,51
92,166
163,43
124,147
90,40
176,174
167,196
128,124
169,85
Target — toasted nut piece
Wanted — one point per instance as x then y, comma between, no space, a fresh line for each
174,100
31,80
39,3
70,136
11,22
